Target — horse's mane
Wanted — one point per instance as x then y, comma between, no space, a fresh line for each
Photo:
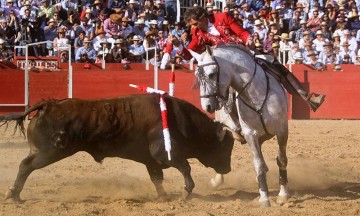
236,46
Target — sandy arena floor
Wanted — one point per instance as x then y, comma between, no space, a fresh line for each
324,179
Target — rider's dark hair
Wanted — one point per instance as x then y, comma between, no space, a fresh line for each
196,13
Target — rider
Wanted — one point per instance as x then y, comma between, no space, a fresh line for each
216,28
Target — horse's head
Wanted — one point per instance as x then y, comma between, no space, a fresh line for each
208,77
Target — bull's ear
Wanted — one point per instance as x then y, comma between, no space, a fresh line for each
209,50
197,56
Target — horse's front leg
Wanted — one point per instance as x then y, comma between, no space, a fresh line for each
260,168
282,164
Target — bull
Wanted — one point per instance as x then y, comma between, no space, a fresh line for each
127,127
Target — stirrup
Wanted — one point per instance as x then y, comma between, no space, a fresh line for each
315,101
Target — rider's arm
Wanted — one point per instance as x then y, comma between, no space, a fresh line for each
236,28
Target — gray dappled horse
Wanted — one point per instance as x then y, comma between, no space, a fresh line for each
261,104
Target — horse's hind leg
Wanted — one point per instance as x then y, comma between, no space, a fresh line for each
260,168
32,162
282,164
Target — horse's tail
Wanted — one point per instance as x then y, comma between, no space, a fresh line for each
20,117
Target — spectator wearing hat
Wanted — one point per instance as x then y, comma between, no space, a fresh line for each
7,33
285,43
305,39
96,8
276,50
46,9
89,15
86,53
37,35
274,28
5,53
325,30
31,11
102,16
60,41
319,41
326,55
11,6
274,17
136,50
130,11
314,63
84,26
260,29
216,9
150,42
153,27
112,25
349,39
119,51
309,47
357,60
139,29
165,28
125,28
336,39
301,30
105,47
302,9
295,53
209,7
99,39
345,51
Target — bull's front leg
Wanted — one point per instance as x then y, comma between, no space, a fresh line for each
184,167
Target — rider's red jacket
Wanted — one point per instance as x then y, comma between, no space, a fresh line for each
229,29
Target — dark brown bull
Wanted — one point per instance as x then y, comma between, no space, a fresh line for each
128,127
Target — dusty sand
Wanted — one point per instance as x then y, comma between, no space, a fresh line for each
324,179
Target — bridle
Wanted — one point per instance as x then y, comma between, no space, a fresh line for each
201,76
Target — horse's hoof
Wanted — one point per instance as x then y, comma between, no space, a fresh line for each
9,194
264,204
216,181
185,195
281,200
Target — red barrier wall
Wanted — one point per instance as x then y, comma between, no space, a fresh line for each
341,87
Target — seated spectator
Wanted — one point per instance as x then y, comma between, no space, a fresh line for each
299,33
319,41
86,53
260,30
161,40
336,39
165,28
268,42
79,40
47,9
60,41
285,43
357,60
295,53
27,11
7,33
314,22
309,47
178,30
306,38
314,63
119,53
185,39
276,50
138,29
136,50
345,51
111,25
6,54
84,26
325,30
153,27
327,56
150,42
100,35
349,39
125,28
273,28
11,6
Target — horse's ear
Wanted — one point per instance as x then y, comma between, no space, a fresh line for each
197,56
209,50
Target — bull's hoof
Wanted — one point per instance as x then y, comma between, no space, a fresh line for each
281,200
12,196
264,203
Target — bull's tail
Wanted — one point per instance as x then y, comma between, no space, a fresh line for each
20,117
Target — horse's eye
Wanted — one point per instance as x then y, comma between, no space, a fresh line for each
211,76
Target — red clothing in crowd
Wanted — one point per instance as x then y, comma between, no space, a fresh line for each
229,29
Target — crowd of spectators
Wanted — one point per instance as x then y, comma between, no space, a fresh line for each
313,32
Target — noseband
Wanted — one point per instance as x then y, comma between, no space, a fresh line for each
203,78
